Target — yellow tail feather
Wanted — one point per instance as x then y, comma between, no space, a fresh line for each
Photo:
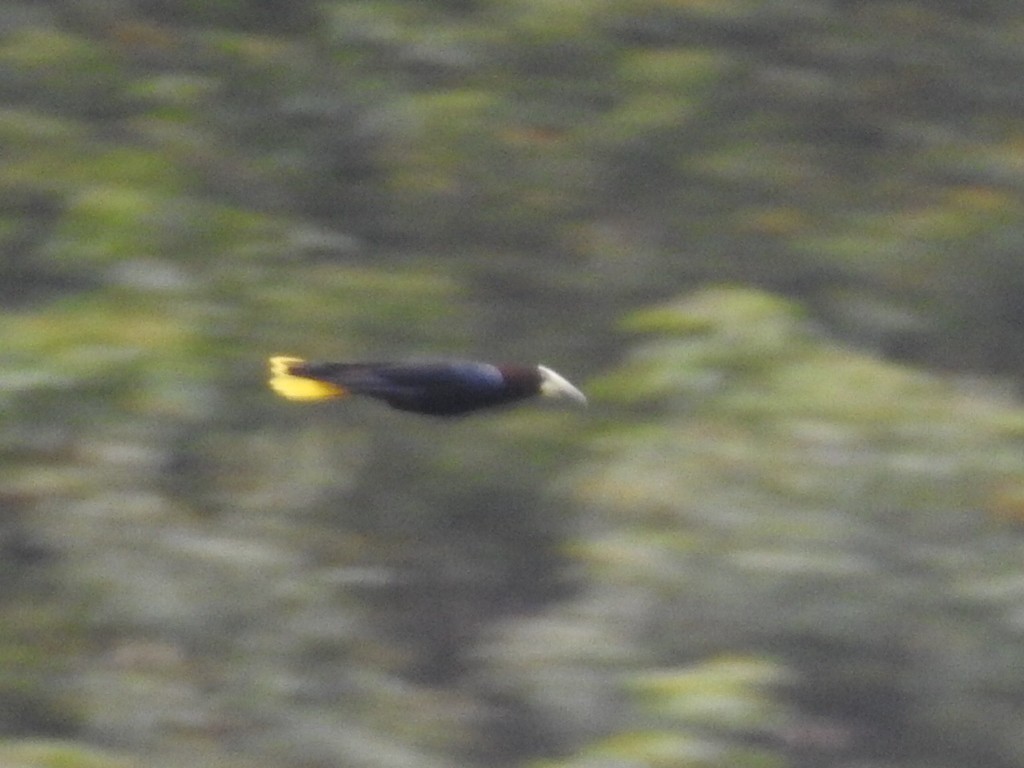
293,387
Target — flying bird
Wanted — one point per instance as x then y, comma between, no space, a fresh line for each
435,388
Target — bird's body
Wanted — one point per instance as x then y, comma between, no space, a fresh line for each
435,388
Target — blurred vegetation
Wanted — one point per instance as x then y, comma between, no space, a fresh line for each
777,242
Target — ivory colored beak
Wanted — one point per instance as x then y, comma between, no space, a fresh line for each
554,385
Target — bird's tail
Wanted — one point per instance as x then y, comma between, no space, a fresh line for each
290,383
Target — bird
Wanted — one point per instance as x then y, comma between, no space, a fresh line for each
433,388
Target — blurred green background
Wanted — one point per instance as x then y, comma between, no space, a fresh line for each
779,242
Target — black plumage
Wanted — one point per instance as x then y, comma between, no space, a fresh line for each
441,388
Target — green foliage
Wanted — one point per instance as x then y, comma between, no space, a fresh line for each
694,707
50,52
774,483
661,749
48,754
764,536
721,694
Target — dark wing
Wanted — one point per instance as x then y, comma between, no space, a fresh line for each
439,389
